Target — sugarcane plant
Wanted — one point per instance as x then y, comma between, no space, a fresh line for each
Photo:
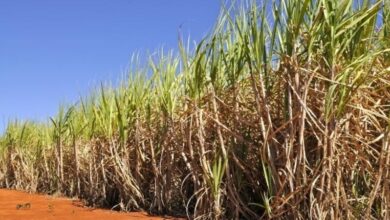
281,112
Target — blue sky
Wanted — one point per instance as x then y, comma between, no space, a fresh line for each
53,51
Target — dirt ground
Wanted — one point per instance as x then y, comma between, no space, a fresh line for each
15,205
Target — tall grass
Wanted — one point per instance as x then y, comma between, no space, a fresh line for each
282,112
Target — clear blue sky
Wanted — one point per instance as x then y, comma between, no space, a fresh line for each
53,51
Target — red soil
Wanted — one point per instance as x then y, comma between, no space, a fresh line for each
15,205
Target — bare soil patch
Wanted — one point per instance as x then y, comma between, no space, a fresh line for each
16,205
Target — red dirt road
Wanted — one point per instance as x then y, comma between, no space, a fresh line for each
15,205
